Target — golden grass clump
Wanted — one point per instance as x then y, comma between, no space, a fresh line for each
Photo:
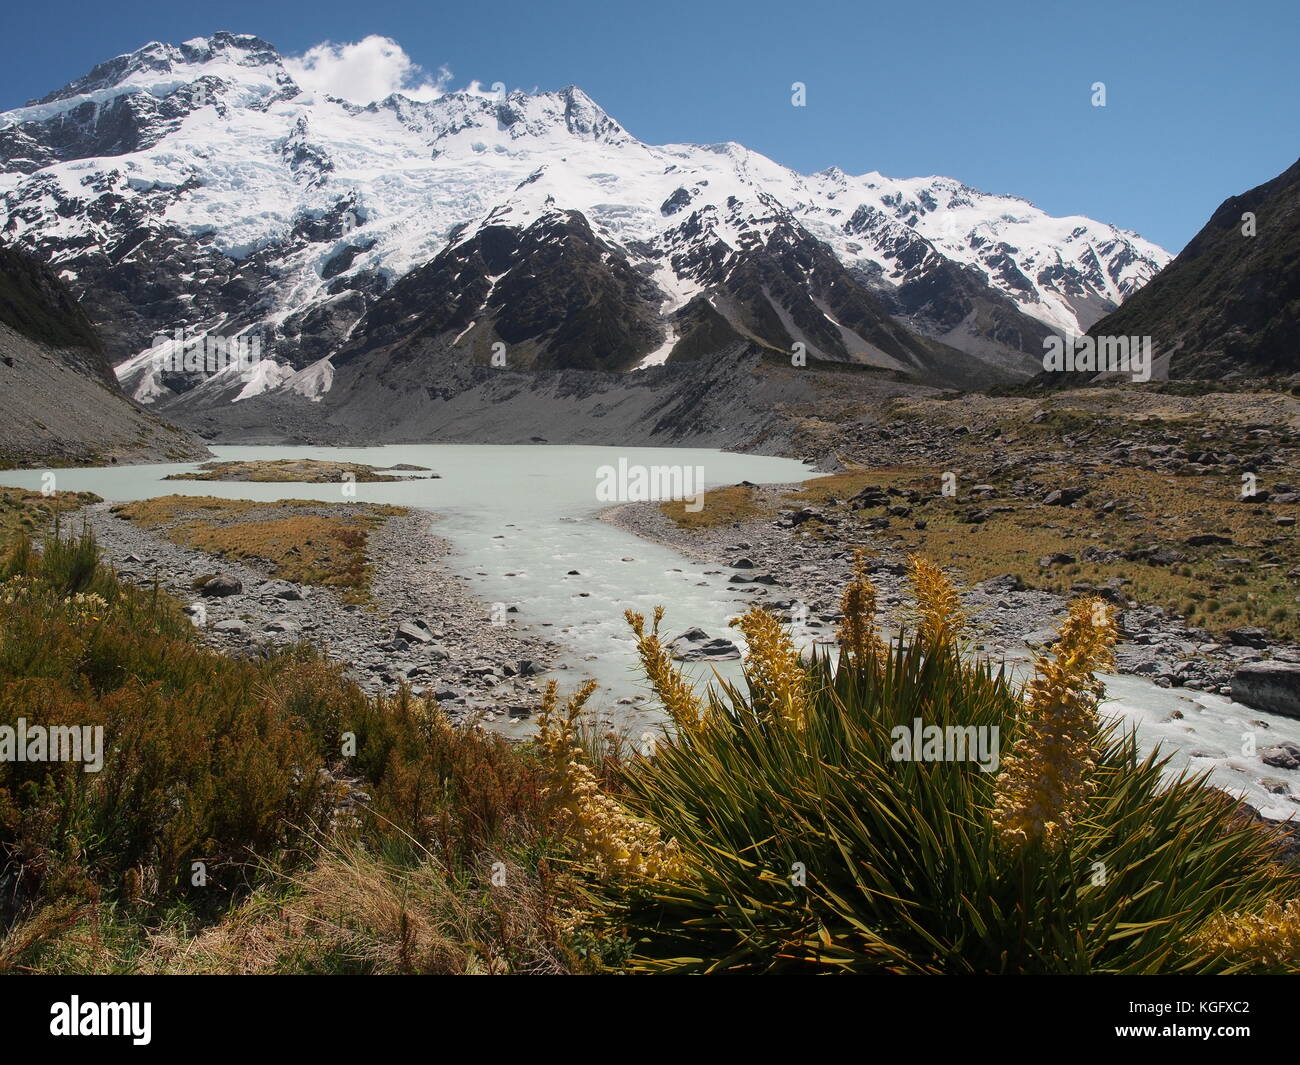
1270,939
858,638
775,673
940,615
353,912
1045,781
604,832
673,690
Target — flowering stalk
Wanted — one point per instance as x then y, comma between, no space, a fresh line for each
1270,938
941,618
858,638
773,667
672,688
1045,782
610,837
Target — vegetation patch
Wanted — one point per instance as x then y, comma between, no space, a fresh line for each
303,471
26,512
297,540
250,815
266,816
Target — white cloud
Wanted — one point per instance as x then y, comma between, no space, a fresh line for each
364,71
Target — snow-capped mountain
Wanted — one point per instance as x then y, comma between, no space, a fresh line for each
198,187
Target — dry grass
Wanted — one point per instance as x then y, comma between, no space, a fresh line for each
352,912
314,543
722,506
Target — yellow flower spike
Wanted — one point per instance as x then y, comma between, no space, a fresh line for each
669,685
1270,938
1044,783
773,666
941,618
609,836
858,638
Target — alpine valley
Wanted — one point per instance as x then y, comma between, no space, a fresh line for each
510,266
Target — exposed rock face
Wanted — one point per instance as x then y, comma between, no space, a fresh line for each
60,399
554,295
1272,686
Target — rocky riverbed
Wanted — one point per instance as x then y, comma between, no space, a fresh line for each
422,626
781,565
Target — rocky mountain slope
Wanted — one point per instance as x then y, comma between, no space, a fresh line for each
61,402
197,187
1230,303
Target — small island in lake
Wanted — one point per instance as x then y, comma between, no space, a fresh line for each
301,471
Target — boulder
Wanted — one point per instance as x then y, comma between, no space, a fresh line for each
1271,686
1206,539
221,586
695,645
1041,639
1248,636
1007,582
1283,756
413,632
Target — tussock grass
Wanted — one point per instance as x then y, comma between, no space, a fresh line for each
27,513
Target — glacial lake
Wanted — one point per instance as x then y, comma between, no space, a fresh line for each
520,517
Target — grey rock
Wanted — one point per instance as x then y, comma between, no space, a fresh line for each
219,587
695,645
413,632
1041,639
1248,636
1272,686
1283,756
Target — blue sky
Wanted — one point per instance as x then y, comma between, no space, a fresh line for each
1202,98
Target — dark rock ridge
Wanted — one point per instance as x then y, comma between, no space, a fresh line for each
1229,304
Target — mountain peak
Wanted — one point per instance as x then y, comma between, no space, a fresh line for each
150,63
